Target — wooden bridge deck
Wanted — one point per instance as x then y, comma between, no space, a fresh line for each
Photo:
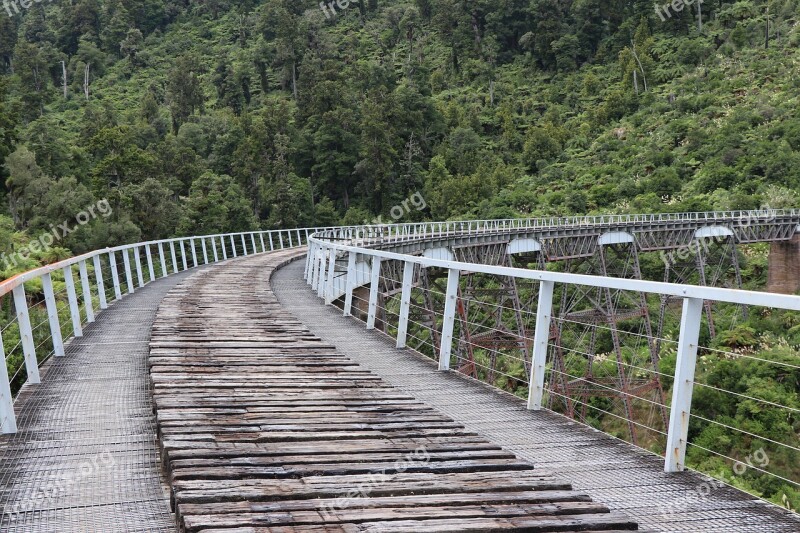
265,427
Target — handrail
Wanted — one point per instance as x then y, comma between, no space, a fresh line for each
168,256
367,247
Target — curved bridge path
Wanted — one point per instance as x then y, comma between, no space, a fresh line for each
266,427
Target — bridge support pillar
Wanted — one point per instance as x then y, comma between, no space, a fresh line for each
784,266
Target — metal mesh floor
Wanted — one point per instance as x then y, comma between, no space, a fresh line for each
85,457
624,477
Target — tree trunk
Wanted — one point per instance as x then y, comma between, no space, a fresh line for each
64,78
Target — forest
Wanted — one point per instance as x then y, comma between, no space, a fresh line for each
161,118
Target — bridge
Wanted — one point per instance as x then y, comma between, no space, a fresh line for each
200,384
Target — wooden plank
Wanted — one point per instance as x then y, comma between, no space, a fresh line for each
264,427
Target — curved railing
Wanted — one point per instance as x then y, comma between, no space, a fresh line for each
41,326
340,260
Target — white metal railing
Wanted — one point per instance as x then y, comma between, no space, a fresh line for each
407,232
142,263
363,260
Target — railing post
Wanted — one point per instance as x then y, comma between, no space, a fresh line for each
318,268
309,260
450,300
331,277
244,245
233,247
112,261
405,304
194,253
261,238
72,297
128,276
86,288
289,234
174,257
299,238
682,388
26,334
52,315
222,245
374,279
183,255
205,250
271,246
253,242
150,270
163,258
351,282
8,419
322,272
98,276
541,339
137,256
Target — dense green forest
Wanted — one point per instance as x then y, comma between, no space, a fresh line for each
169,117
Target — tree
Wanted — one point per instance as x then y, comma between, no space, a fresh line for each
216,204
184,93
26,186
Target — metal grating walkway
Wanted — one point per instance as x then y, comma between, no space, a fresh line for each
624,477
85,457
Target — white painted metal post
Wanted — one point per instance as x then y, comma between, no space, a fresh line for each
174,258
299,239
26,334
205,250
253,242
309,255
289,234
405,304
72,297
214,249
87,292
183,256
323,270
128,276
351,283
261,238
224,251
137,256
112,261
164,272
8,420
683,387
449,318
98,276
330,277
244,245
194,253
374,279
150,270
280,237
233,247
315,268
271,246
52,315
541,338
